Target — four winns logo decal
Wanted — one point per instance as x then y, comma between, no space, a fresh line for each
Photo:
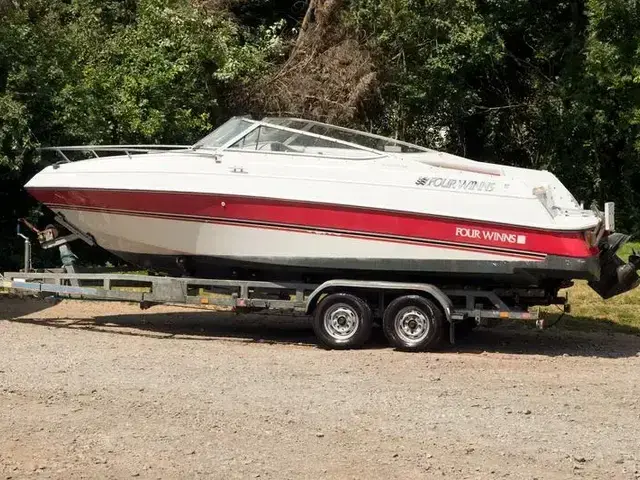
454,184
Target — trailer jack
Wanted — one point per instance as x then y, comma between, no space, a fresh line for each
50,238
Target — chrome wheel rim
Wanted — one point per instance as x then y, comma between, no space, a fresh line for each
341,321
412,325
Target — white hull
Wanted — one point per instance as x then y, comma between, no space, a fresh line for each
159,236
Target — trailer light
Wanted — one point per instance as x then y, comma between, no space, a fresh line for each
504,314
204,300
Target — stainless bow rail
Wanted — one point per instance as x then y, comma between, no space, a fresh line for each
126,149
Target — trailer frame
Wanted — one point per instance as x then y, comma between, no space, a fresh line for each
244,296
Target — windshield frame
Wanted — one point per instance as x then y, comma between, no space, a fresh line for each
308,124
254,124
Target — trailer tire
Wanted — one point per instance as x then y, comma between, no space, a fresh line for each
414,323
342,321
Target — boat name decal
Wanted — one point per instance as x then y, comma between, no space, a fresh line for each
490,235
455,184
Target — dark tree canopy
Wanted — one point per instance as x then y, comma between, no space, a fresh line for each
541,84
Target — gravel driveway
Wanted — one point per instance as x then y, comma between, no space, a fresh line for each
103,390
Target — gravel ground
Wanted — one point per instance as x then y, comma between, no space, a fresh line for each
103,390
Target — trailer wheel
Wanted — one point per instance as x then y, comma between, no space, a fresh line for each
414,323
342,321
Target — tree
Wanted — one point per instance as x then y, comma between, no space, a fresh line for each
548,85
93,71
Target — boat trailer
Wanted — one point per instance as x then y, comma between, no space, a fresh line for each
352,302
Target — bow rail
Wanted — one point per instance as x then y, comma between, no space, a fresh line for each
126,149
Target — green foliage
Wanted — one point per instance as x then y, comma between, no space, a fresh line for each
612,84
429,50
94,71
14,132
547,84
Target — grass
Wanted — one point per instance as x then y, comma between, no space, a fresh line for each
627,249
589,312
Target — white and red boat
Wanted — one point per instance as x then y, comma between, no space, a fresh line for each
295,198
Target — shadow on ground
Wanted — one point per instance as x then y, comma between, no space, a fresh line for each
18,306
517,338
191,324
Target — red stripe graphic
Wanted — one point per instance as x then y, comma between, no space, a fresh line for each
321,216
306,229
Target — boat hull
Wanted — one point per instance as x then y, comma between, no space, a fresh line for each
215,247
553,273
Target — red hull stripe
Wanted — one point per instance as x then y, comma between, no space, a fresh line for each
304,229
337,218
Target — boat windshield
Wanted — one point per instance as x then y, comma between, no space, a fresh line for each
365,139
274,138
297,135
225,132
242,133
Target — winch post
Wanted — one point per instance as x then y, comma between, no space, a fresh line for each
609,217
27,250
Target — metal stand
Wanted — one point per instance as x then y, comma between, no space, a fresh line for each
27,251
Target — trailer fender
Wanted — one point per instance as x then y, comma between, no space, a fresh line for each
429,290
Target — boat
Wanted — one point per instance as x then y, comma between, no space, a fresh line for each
294,199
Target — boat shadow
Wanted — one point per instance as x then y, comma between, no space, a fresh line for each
198,325
571,336
15,306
